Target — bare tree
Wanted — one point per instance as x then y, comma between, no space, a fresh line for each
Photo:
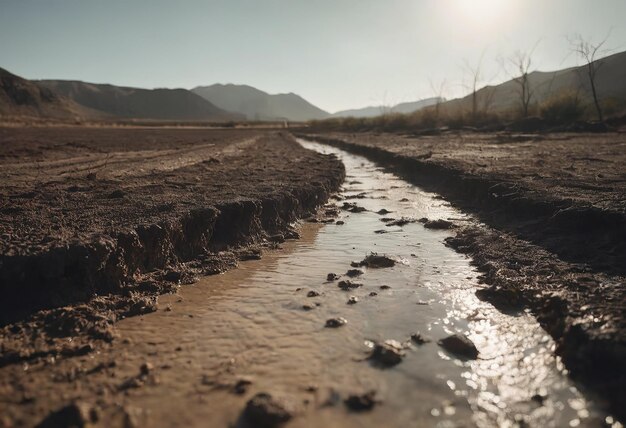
475,80
438,91
589,52
475,77
522,61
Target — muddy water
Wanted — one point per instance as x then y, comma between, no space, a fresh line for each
250,323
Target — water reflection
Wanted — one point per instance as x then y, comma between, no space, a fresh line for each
251,322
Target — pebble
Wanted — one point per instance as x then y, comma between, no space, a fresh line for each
419,339
336,322
347,285
352,300
265,411
312,293
460,345
361,402
332,277
374,260
438,224
354,272
388,354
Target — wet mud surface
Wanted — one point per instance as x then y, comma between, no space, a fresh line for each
554,239
106,219
404,342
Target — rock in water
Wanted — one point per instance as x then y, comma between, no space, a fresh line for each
374,260
361,402
336,322
332,276
459,345
347,285
419,339
438,224
354,272
388,354
265,411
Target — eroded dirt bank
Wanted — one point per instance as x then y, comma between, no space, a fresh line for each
555,206
106,219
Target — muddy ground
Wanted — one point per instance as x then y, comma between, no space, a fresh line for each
553,232
105,219
96,222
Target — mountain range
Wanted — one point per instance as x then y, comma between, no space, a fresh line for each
70,100
373,111
258,105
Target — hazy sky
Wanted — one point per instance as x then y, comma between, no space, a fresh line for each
336,53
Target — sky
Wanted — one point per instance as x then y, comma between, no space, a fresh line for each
338,54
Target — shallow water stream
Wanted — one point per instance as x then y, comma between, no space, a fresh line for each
250,323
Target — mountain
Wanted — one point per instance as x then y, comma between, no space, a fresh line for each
373,111
135,103
610,83
21,97
258,105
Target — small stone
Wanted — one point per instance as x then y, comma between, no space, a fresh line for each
332,277
354,273
355,264
384,287
339,222
419,339
146,368
336,322
401,222
374,260
380,231
173,276
312,293
373,294
388,354
357,209
279,238
348,285
438,224
361,402
241,386
404,200
73,415
460,345
265,411
308,307
383,211
352,300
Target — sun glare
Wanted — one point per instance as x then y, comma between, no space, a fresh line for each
482,13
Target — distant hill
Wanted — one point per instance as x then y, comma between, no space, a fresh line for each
610,83
258,105
134,103
21,97
374,111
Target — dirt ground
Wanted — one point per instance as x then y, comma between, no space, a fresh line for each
105,219
96,222
552,236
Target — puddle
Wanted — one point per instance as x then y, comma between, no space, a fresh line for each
250,323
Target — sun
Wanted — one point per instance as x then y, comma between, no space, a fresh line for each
482,12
